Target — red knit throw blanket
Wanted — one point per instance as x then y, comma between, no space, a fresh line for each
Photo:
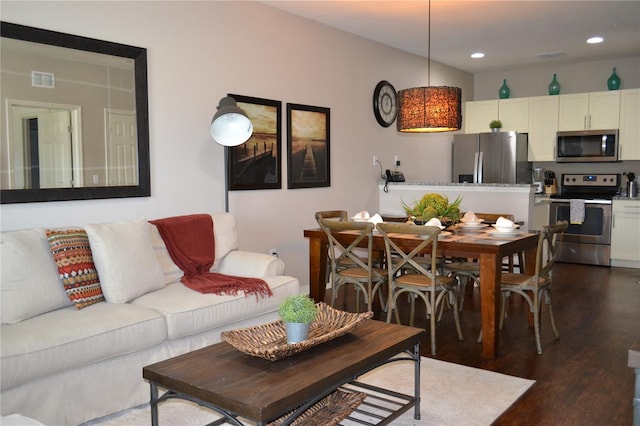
191,245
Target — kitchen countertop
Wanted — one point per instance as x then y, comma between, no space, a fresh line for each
466,185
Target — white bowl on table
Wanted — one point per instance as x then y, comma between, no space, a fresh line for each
506,228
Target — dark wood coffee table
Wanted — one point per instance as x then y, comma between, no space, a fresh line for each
238,385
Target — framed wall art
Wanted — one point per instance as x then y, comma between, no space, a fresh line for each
308,130
256,164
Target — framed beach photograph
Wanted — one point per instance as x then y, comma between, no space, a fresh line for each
256,164
308,130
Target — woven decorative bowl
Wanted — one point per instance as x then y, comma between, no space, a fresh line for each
329,411
269,341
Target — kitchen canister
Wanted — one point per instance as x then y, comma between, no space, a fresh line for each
632,189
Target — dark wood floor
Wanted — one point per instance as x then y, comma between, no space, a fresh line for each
582,378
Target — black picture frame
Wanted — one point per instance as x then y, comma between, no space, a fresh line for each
308,146
94,48
256,164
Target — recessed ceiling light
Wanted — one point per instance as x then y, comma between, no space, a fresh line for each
477,55
595,40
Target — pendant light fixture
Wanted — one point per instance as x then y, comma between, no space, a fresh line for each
429,109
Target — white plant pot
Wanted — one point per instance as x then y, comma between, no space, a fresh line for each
297,332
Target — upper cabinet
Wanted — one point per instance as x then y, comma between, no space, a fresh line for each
629,124
513,113
589,111
479,114
543,126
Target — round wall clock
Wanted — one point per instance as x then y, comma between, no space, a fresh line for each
385,106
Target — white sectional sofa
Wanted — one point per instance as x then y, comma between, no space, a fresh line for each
63,365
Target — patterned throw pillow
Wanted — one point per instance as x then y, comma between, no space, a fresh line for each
72,253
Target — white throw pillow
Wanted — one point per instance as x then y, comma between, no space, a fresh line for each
29,280
226,236
124,257
172,273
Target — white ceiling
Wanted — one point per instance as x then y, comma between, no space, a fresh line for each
510,33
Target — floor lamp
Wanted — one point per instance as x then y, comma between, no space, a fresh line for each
230,126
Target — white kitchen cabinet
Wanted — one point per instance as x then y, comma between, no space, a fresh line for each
478,115
540,215
514,114
625,233
589,111
543,125
629,136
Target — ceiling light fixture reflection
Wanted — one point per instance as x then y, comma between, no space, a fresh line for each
477,55
595,40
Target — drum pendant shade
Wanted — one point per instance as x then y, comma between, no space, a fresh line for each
429,109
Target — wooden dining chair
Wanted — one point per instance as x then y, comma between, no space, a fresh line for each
349,266
467,271
408,275
533,287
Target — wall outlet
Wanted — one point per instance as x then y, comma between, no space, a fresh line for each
273,252
96,179
396,160
375,160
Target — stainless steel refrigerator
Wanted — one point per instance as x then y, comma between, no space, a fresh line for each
498,157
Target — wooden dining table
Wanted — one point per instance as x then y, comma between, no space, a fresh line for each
485,246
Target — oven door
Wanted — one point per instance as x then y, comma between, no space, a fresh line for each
590,242
596,227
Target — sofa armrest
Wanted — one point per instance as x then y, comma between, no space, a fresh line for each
250,264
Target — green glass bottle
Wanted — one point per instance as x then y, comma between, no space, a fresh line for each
504,90
554,86
613,83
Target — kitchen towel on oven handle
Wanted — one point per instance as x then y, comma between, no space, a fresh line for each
576,212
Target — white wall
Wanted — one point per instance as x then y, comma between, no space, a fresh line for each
200,51
580,77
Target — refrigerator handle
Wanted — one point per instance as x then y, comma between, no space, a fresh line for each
475,168
480,167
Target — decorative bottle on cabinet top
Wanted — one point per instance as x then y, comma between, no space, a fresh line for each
504,90
554,86
613,83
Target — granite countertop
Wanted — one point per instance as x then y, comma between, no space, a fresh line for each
621,197
488,185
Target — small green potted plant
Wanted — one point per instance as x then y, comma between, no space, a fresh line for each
495,125
298,312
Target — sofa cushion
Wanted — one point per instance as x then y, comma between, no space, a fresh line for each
68,338
72,254
125,259
188,312
29,283
172,273
225,233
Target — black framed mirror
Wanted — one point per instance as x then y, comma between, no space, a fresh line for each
75,117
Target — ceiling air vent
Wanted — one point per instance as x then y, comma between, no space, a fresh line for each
550,55
43,79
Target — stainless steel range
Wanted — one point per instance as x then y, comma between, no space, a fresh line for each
585,201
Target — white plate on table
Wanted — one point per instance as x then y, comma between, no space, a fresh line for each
504,234
473,225
444,234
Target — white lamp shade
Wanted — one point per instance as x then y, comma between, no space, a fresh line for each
230,125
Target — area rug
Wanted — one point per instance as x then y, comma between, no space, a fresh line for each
451,394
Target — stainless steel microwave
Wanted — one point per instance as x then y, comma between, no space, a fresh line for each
587,146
